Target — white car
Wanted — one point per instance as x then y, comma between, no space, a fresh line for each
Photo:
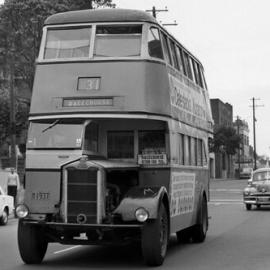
6,207
257,192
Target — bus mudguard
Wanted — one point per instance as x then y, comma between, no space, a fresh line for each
148,198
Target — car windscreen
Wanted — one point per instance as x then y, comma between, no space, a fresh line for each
55,134
261,176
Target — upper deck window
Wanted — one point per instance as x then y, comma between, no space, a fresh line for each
67,43
154,43
174,56
118,41
180,59
187,65
166,48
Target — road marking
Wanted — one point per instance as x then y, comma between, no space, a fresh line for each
66,249
226,190
226,202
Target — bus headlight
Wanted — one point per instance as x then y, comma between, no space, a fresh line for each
22,211
141,214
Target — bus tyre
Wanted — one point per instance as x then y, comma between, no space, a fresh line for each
32,243
200,229
248,206
155,235
4,217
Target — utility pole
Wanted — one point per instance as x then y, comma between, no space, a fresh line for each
238,133
254,131
154,11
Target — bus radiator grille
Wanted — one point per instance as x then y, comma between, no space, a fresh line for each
82,196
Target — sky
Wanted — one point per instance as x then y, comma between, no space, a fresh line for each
231,39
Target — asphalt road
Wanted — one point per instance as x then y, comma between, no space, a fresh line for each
237,239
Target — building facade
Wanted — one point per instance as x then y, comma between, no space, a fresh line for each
223,116
244,157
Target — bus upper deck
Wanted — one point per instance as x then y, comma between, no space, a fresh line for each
117,61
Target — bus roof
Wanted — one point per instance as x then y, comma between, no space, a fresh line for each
100,15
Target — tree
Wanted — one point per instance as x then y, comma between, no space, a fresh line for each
21,115
22,20
21,24
226,141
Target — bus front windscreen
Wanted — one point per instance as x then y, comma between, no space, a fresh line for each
55,134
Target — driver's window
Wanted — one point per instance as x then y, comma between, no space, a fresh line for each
91,137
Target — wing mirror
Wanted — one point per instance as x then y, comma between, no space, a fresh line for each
249,182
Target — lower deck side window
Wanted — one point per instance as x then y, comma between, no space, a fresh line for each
192,151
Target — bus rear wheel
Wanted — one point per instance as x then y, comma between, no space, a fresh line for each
32,243
200,229
155,235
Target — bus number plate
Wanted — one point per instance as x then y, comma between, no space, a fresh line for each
40,196
89,83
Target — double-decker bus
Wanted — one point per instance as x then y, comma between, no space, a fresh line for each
117,146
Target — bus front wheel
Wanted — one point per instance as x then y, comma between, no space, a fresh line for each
155,235
32,243
200,229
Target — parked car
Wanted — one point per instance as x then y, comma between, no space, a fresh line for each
6,207
246,173
257,191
